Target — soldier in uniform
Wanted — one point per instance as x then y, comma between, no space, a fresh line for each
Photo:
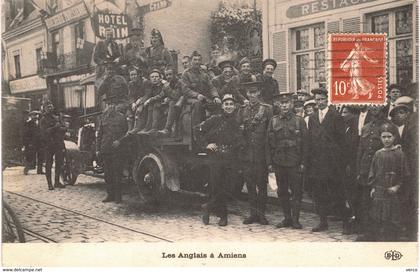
33,149
245,75
220,136
53,131
270,86
136,90
226,83
197,89
255,117
113,83
287,155
157,54
110,135
106,51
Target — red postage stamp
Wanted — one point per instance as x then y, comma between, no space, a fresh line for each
357,68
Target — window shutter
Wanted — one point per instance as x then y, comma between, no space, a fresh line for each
351,25
280,55
333,27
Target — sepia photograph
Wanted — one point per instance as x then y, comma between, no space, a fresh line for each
209,133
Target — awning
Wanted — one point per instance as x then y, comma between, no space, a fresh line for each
90,79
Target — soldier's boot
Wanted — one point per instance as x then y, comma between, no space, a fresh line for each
261,214
110,193
206,213
49,182
252,218
172,115
223,220
295,216
287,221
149,123
322,226
117,193
57,183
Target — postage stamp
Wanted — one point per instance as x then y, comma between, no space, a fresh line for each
357,68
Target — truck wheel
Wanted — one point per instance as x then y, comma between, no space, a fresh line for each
148,174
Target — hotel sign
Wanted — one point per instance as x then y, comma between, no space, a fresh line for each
314,7
28,84
66,16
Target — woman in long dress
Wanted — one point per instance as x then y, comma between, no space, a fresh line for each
353,64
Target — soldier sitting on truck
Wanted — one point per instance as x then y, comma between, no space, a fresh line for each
136,91
170,99
154,88
198,89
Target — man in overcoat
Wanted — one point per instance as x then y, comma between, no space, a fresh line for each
326,158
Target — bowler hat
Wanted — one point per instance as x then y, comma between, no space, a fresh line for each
298,104
269,62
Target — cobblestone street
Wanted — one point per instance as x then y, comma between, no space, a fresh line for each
76,214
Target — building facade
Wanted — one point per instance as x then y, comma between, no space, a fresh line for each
24,41
295,35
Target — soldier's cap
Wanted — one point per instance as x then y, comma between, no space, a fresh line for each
223,63
252,86
322,91
157,33
397,107
155,71
269,62
48,102
303,91
135,32
243,61
228,97
283,96
309,103
66,116
298,104
215,47
195,53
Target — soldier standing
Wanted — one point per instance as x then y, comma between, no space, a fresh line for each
33,150
53,131
106,51
158,55
111,131
220,136
287,151
255,117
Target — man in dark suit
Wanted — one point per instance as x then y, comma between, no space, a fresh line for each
270,86
327,160
394,92
407,122
33,151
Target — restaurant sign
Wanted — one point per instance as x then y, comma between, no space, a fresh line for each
67,16
314,7
28,84
119,23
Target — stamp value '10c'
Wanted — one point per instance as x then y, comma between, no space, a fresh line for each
357,68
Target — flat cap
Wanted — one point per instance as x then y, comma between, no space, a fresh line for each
283,96
228,97
225,63
309,103
243,61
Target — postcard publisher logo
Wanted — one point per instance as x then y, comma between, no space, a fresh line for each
393,255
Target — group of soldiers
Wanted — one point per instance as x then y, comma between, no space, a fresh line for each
249,129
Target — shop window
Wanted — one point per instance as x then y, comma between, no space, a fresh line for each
398,24
72,97
18,73
309,56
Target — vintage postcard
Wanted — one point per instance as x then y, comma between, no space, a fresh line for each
210,133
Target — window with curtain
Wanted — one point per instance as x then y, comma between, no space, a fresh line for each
398,24
309,56
71,97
